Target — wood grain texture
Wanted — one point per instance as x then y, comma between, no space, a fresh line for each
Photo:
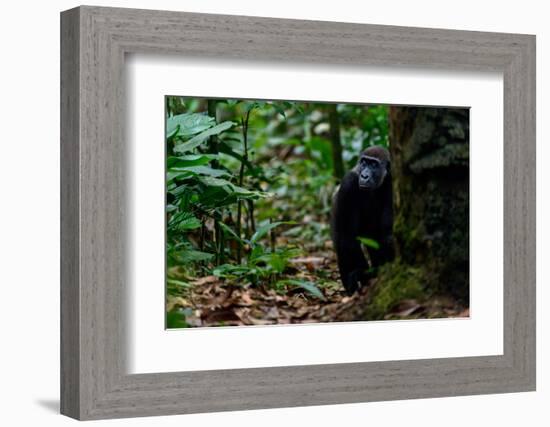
70,291
94,382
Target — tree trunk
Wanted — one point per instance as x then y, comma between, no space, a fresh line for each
334,122
430,168
213,140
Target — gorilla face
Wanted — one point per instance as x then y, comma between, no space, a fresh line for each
371,172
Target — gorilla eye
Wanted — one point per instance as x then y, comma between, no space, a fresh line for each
370,162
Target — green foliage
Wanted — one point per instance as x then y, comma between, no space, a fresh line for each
176,319
369,242
186,255
264,229
197,189
201,137
186,125
262,263
362,127
249,187
177,283
182,221
306,285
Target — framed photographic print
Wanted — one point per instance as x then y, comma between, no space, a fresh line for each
292,213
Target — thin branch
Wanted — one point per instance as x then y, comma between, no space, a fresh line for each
244,125
334,121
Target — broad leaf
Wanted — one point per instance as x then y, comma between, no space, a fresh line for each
243,193
369,242
231,232
225,148
215,182
309,287
189,160
276,261
186,256
229,270
257,252
173,175
201,170
279,107
184,221
188,124
201,137
264,229
178,283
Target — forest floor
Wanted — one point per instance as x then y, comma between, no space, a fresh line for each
211,301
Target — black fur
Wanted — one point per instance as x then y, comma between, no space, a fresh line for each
363,211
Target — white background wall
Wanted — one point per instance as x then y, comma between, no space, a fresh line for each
29,224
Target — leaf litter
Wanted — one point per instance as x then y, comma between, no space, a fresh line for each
213,301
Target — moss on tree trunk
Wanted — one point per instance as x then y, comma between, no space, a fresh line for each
430,169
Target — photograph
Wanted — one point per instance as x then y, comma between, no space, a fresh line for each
294,212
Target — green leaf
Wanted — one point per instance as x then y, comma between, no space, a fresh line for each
279,107
215,182
250,105
276,261
309,287
229,270
231,232
243,193
201,170
225,148
173,175
190,255
188,124
189,160
257,252
201,137
178,283
235,190
180,190
295,105
184,221
369,242
264,229
176,319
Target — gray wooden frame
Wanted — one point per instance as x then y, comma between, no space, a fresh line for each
94,41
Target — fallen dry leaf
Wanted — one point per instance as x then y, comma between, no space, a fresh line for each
221,315
205,280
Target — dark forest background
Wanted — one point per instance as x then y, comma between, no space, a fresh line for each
249,187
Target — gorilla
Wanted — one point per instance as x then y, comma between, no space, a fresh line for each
363,207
